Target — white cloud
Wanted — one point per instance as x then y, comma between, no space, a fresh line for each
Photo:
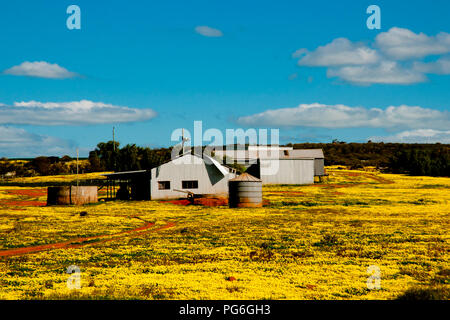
15,142
81,112
400,43
40,69
208,31
393,58
339,52
441,66
300,52
342,116
386,72
417,136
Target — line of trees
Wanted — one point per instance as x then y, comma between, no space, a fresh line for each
413,159
41,166
107,156
110,157
428,162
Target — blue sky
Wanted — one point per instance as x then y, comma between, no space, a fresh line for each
144,68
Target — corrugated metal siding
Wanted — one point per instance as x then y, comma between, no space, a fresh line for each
292,171
245,193
251,155
319,167
67,195
306,153
188,167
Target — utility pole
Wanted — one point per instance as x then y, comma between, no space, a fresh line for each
114,149
114,141
77,167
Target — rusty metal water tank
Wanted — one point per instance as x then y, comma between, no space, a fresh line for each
245,191
68,195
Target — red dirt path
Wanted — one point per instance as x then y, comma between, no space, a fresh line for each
370,176
82,241
355,174
30,200
22,203
166,226
32,193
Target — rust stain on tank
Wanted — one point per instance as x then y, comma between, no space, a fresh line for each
245,191
71,195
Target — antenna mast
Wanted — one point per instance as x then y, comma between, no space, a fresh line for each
182,141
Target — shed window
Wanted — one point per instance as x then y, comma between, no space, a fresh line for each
163,185
189,184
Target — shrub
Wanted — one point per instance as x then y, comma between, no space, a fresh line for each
426,293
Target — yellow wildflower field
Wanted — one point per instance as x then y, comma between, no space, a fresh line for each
307,242
72,178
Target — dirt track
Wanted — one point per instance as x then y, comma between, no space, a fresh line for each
80,242
84,241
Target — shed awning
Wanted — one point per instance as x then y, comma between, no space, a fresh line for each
127,174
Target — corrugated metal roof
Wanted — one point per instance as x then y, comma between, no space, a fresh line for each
126,174
270,147
306,153
271,154
219,167
200,159
236,154
246,177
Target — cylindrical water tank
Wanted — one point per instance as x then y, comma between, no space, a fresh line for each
245,191
67,195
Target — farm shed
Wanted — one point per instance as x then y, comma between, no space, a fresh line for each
298,166
316,154
175,179
253,153
288,170
136,182
190,173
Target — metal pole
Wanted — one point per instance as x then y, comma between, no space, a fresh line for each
114,141
77,167
114,148
182,141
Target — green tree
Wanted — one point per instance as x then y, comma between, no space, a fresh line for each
108,153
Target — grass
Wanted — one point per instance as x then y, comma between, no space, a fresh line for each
308,242
426,293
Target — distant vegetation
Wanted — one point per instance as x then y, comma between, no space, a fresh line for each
110,157
106,157
40,166
413,159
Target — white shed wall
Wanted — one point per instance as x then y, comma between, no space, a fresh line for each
188,167
290,171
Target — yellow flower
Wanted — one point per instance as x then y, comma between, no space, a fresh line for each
307,242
